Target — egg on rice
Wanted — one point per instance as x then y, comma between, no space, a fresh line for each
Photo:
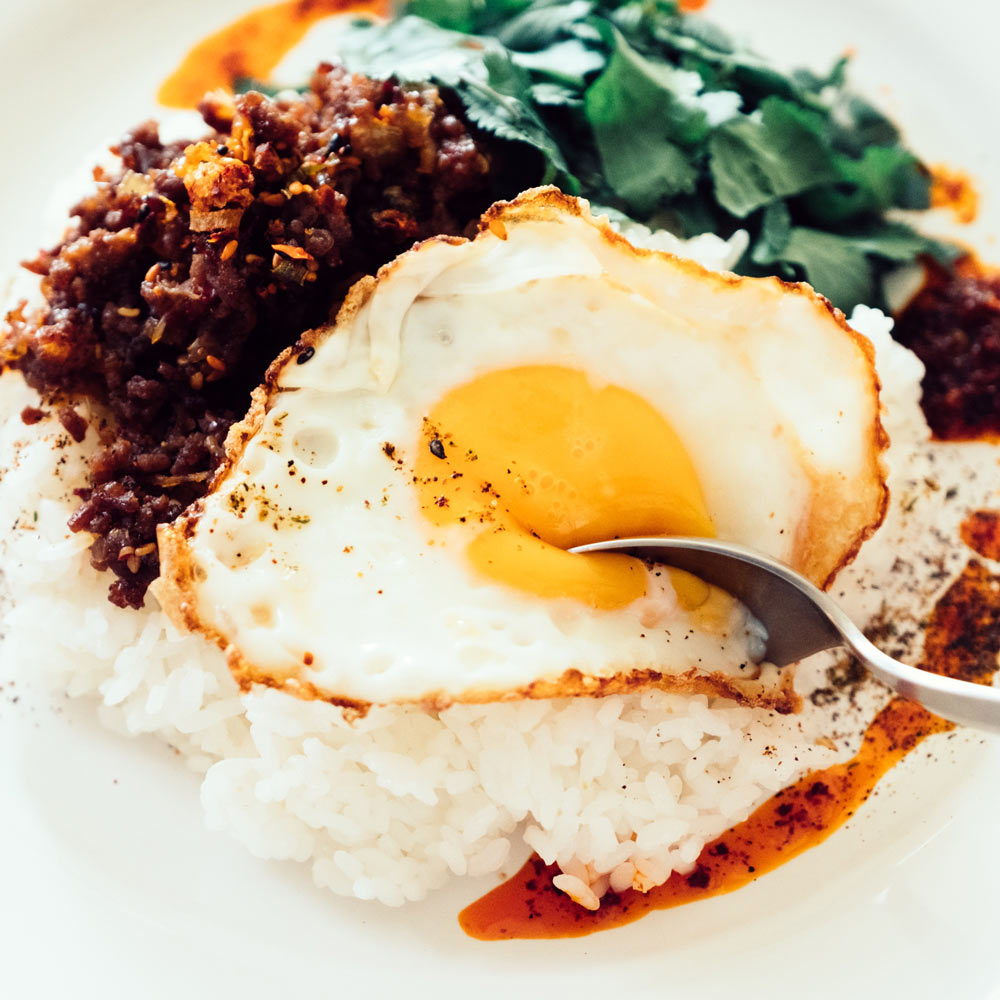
392,521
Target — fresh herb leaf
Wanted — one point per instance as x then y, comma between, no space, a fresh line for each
646,164
567,62
412,49
809,81
496,106
856,125
480,71
695,214
775,231
832,264
641,107
555,95
756,161
847,267
884,177
470,16
897,242
542,24
708,49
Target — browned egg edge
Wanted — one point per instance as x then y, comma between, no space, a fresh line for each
176,587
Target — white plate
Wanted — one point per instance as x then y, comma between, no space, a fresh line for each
111,887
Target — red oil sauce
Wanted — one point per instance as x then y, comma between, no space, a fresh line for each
791,821
953,190
252,46
981,532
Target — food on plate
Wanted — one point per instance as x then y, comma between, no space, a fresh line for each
667,119
953,326
367,634
618,791
193,265
478,408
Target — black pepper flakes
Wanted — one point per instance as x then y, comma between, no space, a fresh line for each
699,878
437,448
338,144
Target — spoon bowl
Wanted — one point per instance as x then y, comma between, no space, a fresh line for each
801,620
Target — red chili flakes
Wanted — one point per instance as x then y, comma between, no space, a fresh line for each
75,425
32,415
699,878
296,253
963,635
981,532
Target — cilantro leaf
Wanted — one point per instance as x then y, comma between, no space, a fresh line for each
832,264
542,24
554,95
900,243
775,232
413,50
646,164
496,106
567,62
470,16
856,125
884,177
753,162
646,109
840,265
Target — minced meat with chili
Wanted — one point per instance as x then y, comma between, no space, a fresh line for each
953,326
187,272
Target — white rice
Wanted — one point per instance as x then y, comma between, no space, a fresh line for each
618,791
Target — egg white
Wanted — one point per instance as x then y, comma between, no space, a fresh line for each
312,563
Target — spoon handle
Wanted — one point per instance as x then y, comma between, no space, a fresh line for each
961,701
970,704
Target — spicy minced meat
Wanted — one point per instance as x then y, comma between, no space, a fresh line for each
953,326
187,272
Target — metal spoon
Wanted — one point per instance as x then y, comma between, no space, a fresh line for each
800,619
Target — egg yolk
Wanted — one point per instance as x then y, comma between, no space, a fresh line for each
537,459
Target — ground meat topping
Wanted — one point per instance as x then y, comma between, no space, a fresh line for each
187,272
953,326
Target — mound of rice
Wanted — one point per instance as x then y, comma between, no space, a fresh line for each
620,791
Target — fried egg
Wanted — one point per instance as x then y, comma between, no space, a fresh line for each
392,521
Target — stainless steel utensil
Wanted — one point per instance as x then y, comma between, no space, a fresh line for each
800,619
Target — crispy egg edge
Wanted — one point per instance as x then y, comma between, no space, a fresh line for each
176,587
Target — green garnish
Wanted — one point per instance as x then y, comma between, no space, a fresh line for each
661,116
